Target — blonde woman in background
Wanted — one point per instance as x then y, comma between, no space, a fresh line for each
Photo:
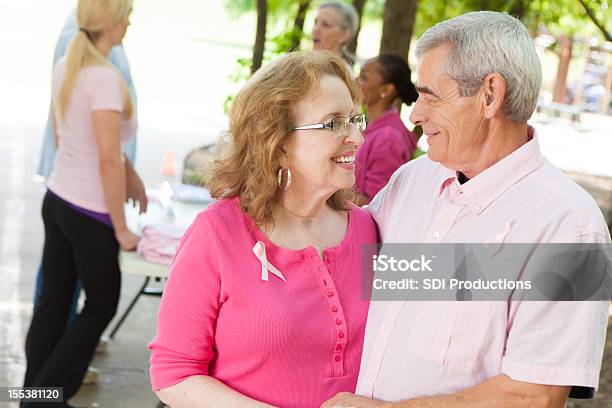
83,208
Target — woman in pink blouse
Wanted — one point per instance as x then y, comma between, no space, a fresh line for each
264,303
388,143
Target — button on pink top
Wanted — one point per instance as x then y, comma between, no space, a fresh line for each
291,343
76,170
416,349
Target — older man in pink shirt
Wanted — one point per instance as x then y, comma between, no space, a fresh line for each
483,180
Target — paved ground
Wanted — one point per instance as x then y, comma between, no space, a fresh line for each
123,368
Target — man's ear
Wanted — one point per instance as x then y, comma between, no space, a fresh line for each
493,95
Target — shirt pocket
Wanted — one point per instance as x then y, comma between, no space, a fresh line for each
469,336
451,334
431,331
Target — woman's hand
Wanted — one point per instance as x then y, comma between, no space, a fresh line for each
135,188
128,241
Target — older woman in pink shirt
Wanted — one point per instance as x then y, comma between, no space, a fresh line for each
264,304
388,143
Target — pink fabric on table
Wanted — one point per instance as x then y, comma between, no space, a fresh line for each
387,145
76,170
281,326
420,348
159,242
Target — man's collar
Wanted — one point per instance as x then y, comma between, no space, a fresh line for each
480,191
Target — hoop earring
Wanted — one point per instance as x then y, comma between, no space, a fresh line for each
279,178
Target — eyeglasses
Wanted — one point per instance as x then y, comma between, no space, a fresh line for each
339,125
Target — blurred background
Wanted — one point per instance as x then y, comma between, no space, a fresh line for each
188,59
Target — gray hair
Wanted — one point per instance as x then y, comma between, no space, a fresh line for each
484,42
349,19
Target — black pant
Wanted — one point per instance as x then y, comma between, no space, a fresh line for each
76,246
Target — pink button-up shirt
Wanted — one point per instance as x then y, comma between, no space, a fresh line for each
281,326
429,348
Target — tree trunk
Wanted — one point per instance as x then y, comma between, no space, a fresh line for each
484,5
398,24
298,25
579,86
565,57
518,9
260,36
359,5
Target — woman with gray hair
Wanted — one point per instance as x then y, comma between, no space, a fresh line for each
335,26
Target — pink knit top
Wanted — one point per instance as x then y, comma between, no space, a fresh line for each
289,334
388,144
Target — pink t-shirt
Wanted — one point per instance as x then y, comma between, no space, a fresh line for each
76,175
388,144
291,343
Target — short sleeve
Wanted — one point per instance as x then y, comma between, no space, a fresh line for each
105,90
183,346
558,343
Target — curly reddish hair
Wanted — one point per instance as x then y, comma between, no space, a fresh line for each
260,123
